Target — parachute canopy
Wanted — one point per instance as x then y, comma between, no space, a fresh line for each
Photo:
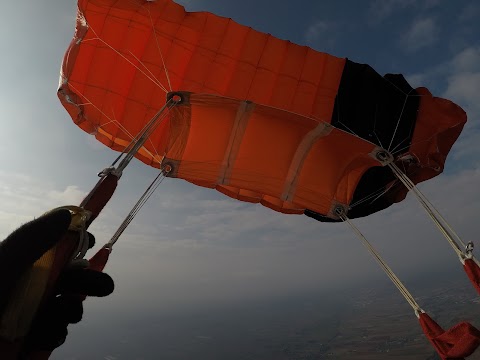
260,119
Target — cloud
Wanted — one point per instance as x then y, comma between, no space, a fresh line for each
463,82
380,10
319,30
469,12
71,195
422,33
417,80
441,75
24,198
467,60
464,87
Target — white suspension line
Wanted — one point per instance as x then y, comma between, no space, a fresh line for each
111,121
136,208
153,79
445,228
160,50
388,271
145,133
398,122
374,195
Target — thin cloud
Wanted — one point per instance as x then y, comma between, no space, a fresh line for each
380,10
470,12
463,82
24,197
417,80
317,31
422,33
467,61
464,87
71,195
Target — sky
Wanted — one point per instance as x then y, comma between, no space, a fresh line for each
191,247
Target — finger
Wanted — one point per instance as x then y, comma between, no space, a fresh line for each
27,244
30,241
91,240
47,335
67,309
48,341
62,309
50,327
85,282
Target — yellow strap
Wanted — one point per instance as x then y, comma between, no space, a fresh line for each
25,299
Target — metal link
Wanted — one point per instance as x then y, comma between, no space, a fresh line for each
80,216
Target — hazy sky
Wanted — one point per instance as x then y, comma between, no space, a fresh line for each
192,247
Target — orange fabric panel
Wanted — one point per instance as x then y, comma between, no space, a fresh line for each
253,197
331,167
335,164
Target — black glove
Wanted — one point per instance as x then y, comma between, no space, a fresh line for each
20,250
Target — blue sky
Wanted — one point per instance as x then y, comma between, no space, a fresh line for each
192,247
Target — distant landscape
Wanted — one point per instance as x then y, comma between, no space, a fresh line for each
367,323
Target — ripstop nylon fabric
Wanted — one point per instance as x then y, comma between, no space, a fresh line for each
127,54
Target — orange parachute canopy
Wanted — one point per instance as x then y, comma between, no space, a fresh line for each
261,119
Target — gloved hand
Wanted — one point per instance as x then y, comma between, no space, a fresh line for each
19,251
